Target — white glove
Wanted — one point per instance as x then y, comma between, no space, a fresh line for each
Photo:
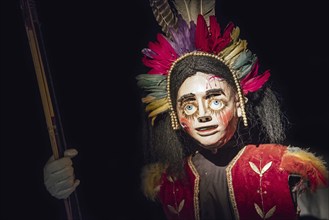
59,176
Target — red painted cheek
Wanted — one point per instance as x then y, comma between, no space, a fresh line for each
185,123
225,117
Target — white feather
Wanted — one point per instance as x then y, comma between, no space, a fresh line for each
190,9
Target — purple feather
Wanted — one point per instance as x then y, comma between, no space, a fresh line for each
183,38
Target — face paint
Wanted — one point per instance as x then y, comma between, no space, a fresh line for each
206,108
185,124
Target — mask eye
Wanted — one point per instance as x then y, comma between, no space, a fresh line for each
189,109
216,104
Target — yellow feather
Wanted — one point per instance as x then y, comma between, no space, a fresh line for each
153,120
159,110
156,104
235,34
148,99
227,50
151,176
239,46
233,59
234,38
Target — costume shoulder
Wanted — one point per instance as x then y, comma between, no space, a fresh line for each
305,163
151,179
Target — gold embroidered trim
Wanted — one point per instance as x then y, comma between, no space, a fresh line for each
260,171
230,184
196,188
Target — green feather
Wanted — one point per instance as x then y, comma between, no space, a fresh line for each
244,70
154,84
243,58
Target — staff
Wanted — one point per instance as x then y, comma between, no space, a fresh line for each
46,88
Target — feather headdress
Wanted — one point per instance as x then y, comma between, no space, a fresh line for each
190,28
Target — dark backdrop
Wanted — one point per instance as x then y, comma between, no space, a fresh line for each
94,54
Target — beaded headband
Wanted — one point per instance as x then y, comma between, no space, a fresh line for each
203,38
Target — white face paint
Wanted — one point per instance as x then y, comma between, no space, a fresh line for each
207,109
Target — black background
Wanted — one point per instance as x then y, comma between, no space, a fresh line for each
93,49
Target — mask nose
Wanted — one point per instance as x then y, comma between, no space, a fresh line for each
204,119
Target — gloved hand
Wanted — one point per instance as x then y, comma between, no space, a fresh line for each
59,176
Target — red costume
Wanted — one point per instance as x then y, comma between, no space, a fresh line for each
257,183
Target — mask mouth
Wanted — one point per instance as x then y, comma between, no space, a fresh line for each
206,128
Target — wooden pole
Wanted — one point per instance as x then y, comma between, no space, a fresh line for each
45,84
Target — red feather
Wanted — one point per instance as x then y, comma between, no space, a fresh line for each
223,42
252,82
202,35
164,56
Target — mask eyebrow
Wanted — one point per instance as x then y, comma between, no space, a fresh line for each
214,92
186,97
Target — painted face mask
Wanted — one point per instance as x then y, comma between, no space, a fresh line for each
207,109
